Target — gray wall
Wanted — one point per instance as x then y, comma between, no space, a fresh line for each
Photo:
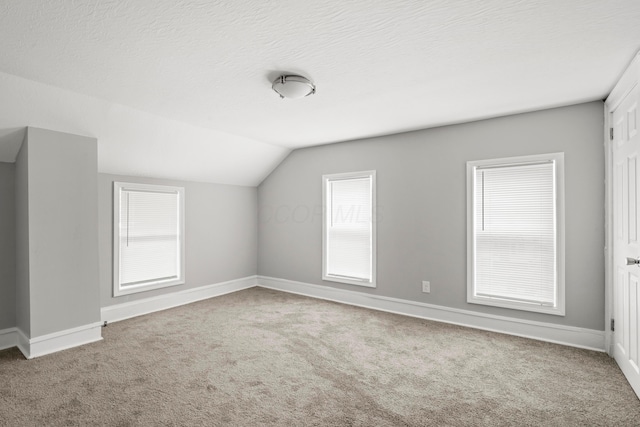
22,302
7,246
220,236
63,231
421,198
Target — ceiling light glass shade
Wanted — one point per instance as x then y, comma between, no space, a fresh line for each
294,87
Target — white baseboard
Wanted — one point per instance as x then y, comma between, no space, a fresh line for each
566,335
560,334
8,338
23,343
114,313
58,341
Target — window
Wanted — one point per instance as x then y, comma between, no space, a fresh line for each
349,232
515,233
148,237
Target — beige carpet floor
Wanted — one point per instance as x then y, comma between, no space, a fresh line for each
260,358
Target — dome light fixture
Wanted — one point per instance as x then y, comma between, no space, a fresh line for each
293,86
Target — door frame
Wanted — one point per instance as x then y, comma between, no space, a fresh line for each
629,79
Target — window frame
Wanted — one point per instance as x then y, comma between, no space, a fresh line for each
370,174
118,188
558,160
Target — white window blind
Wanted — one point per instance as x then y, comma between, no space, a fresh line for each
149,232
515,234
349,228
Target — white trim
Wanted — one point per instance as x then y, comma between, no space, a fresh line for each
626,83
8,338
326,215
23,343
558,161
57,341
550,332
114,313
118,288
608,232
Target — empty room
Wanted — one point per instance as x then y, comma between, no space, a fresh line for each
319,213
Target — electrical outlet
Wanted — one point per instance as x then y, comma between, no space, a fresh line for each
426,286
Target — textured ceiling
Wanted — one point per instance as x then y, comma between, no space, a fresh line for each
380,67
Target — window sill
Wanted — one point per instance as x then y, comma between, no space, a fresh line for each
514,305
143,287
339,279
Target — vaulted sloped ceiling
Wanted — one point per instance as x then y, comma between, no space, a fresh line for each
181,89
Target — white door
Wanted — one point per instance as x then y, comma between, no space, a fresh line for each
626,228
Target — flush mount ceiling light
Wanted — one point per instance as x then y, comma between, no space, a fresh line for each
292,86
